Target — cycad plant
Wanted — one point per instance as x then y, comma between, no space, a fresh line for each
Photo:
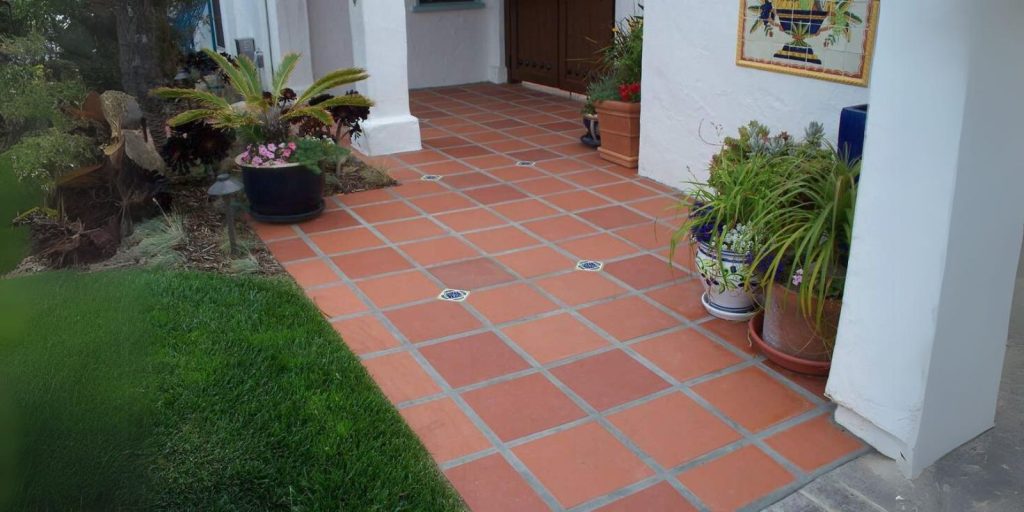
265,116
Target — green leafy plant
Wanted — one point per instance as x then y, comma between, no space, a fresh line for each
41,160
621,63
265,116
806,230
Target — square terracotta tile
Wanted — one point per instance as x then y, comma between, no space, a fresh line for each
489,161
814,443
683,298
446,168
481,481
345,240
400,377
592,178
644,271
383,212
660,497
268,232
813,383
686,354
582,463
438,250
559,228
495,194
311,273
624,192
737,479
522,406
336,300
421,157
395,289
577,287
486,136
524,210
554,338
609,379
336,219
673,429
290,250
408,230
650,236
576,200
365,334
445,430
612,217
502,239
432,320
445,202
628,318
733,333
372,262
470,180
422,188
512,302
473,359
366,197
509,146
445,142
753,398
515,173
470,220
661,208
472,274
561,165
536,262
599,247
545,186
468,151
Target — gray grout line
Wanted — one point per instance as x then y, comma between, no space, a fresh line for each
592,415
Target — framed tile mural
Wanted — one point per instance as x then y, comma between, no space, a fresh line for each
824,39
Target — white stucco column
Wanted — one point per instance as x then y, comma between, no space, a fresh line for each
379,46
288,23
938,230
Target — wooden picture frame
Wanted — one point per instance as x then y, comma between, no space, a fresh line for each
824,39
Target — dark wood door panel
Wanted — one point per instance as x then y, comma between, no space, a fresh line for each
587,26
534,41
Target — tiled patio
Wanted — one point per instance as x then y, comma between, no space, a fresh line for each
551,387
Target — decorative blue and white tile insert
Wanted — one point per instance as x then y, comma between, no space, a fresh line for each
430,177
525,163
589,266
453,295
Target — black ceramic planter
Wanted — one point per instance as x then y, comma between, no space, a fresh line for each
283,194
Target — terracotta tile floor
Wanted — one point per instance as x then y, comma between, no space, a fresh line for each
550,387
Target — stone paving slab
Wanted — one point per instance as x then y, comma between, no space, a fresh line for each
550,387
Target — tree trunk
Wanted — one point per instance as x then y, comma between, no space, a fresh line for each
140,26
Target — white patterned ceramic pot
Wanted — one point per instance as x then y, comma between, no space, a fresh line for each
725,293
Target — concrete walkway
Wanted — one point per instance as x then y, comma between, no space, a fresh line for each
550,387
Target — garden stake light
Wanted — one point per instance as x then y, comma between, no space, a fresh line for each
224,188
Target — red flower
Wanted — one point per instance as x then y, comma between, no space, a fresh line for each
630,92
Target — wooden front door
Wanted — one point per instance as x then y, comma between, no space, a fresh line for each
556,42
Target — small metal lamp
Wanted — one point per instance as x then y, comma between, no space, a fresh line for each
224,188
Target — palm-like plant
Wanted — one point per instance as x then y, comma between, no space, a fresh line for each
266,116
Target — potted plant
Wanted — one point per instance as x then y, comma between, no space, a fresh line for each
719,222
593,136
803,251
615,94
280,170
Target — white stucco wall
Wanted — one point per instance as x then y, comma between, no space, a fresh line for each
451,47
330,35
246,18
690,77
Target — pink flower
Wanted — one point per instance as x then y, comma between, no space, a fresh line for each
798,277
287,153
272,147
291,146
257,161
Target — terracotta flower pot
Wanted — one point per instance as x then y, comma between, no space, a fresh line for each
792,340
620,132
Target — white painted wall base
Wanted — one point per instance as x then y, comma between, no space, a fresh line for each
921,342
389,135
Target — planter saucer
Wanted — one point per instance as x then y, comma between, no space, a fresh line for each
787,361
723,314
287,219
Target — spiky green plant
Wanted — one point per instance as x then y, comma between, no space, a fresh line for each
266,115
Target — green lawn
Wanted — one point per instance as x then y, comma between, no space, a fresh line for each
14,198
185,391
